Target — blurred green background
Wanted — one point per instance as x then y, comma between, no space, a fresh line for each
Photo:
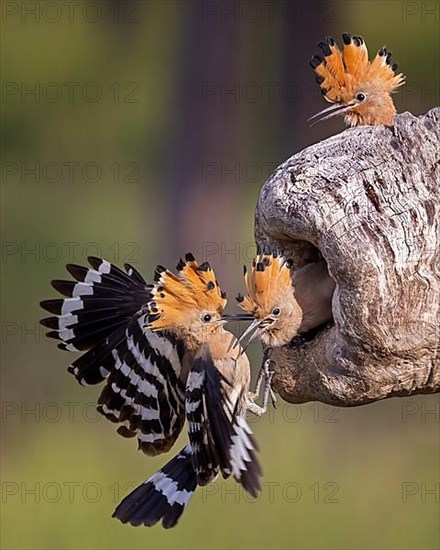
142,130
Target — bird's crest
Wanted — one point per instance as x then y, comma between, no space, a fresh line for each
269,278
346,76
194,287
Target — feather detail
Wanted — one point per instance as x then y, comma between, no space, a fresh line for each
360,88
194,288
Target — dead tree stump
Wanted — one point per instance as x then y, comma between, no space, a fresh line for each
367,201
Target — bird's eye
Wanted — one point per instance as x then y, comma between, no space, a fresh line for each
207,317
361,97
276,311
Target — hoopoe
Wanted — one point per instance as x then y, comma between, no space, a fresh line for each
165,356
358,88
283,304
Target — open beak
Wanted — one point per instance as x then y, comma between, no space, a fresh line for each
254,330
330,112
227,317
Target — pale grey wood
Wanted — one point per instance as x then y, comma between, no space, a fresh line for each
368,201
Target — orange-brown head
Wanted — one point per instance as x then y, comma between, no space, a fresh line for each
270,300
358,88
189,303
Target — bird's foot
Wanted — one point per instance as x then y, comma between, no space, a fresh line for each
265,375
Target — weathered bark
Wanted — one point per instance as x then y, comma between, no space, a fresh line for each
368,201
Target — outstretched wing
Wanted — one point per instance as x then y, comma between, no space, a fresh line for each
103,315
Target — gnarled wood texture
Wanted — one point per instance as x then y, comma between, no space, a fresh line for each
368,201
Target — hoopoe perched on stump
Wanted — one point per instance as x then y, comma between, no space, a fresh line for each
358,88
283,304
165,356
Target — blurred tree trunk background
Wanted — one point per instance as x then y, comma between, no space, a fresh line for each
242,95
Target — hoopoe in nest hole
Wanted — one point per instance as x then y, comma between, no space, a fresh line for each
358,88
283,303
165,356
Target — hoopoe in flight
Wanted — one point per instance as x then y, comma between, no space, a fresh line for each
283,304
165,356
358,88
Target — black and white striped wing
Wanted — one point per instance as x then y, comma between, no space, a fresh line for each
103,315
246,469
220,437
207,458
92,317
143,391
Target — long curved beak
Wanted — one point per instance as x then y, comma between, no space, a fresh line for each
254,329
227,317
237,317
330,112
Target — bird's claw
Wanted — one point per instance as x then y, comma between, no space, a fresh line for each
266,375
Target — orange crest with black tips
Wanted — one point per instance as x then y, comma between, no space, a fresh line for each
348,79
176,296
266,284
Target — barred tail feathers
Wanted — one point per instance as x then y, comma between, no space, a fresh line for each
163,497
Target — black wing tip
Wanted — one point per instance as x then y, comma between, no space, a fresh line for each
53,334
50,322
94,261
134,274
52,306
78,272
63,287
